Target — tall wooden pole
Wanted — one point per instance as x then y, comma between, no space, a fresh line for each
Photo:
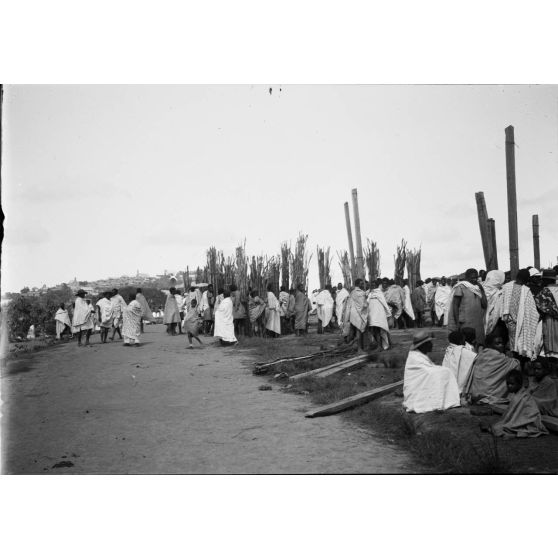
358,238
512,202
494,249
350,237
536,246
483,226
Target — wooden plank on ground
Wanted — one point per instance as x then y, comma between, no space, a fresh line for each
326,373
263,366
352,401
551,423
344,364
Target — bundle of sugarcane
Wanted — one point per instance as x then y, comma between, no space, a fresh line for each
400,262
300,262
372,258
324,267
214,266
286,257
229,271
413,267
199,275
186,279
345,266
273,273
257,278
241,271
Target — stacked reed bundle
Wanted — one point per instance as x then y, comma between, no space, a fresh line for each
272,272
345,265
186,279
400,262
372,258
300,262
286,257
199,275
214,263
257,275
241,271
413,267
324,267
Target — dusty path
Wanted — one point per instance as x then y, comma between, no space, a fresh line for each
162,408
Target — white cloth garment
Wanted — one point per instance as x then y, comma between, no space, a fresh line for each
428,387
378,310
325,307
82,316
441,299
272,317
340,300
224,324
408,307
459,360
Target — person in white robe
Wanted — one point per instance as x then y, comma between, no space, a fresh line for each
82,319
324,304
493,289
441,301
272,316
378,314
426,386
131,326
224,320
31,333
118,305
409,313
62,320
284,309
105,316
355,317
340,299
459,359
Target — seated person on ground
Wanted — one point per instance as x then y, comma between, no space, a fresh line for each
522,418
426,386
487,381
543,388
459,359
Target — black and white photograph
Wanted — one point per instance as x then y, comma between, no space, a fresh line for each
278,279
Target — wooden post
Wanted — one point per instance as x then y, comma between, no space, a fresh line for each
350,237
358,238
483,226
536,246
494,249
512,202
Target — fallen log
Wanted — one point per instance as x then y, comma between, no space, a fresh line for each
262,367
551,423
336,366
352,401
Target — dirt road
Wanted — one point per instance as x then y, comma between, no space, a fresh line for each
162,408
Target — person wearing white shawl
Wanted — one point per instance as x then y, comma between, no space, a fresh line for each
378,314
284,308
146,311
355,317
426,386
520,314
493,289
407,304
324,302
104,310
131,326
272,317
224,321
340,299
62,320
467,305
459,359
82,320
118,305
441,299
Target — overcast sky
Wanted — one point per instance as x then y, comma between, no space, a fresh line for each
100,181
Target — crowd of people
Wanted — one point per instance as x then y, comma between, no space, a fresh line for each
503,349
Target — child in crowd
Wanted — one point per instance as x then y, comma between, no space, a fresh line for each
522,419
191,324
470,336
459,359
543,388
